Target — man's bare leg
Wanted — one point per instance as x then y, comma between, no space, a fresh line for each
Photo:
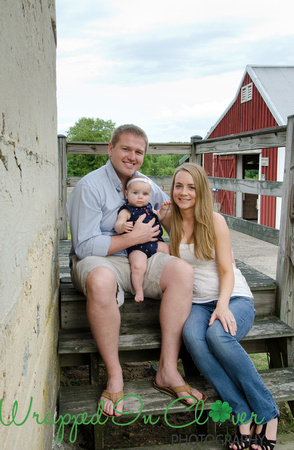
138,262
104,319
177,285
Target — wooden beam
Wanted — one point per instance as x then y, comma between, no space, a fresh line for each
160,181
255,230
62,187
273,188
285,269
169,149
97,148
72,181
87,148
255,140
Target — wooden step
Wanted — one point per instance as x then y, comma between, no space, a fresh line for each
84,399
138,343
73,303
81,341
263,288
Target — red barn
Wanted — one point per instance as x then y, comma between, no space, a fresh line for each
265,98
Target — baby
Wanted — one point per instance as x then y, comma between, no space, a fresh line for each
138,195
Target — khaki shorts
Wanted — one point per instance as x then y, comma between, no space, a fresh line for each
121,267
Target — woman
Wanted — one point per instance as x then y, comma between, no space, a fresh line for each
222,311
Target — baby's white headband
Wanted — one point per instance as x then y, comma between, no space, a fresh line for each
145,180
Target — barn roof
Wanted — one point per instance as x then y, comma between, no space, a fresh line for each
276,86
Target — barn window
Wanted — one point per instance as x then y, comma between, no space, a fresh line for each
246,93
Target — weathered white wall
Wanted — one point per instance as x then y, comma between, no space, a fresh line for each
28,220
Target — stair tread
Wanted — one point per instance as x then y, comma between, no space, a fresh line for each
81,341
81,399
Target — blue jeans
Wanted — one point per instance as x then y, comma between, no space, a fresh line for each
224,362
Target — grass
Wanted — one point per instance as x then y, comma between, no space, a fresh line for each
260,360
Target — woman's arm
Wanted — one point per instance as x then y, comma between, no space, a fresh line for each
223,253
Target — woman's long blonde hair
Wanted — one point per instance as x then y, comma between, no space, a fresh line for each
203,234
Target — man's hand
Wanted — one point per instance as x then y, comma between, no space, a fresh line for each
145,232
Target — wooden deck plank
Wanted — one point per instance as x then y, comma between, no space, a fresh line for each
254,277
73,341
262,287
79,399
73,308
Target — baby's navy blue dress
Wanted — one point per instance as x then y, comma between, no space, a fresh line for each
149,247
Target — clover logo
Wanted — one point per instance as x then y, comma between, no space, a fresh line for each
220,411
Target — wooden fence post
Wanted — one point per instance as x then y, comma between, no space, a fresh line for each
62,187
285,269
196,158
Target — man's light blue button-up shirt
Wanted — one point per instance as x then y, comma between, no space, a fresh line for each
92,211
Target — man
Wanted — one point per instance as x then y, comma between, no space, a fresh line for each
100,267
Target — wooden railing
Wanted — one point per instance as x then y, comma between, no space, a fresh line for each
99,148
268,138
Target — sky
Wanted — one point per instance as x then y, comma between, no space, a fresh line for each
170,67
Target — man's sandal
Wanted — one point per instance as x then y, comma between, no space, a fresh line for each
173,391
113,397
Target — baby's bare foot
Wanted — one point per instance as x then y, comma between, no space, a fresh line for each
139,297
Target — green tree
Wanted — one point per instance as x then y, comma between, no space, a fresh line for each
88,130
161,165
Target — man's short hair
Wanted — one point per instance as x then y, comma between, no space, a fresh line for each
128,128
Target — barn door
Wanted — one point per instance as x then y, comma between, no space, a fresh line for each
250,172
225,166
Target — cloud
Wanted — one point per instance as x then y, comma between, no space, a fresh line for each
171,67
160,108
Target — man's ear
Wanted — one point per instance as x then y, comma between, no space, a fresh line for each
110,149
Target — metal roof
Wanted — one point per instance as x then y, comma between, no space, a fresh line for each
276,86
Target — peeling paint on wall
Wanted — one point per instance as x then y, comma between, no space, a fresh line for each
38,319
25,359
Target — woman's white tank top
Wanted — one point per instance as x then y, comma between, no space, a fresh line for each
206,277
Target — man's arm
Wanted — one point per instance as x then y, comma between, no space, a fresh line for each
85,216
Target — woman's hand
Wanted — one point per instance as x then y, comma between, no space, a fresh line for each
227,319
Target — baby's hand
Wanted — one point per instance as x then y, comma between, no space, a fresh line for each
161,213
127,227
165,205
